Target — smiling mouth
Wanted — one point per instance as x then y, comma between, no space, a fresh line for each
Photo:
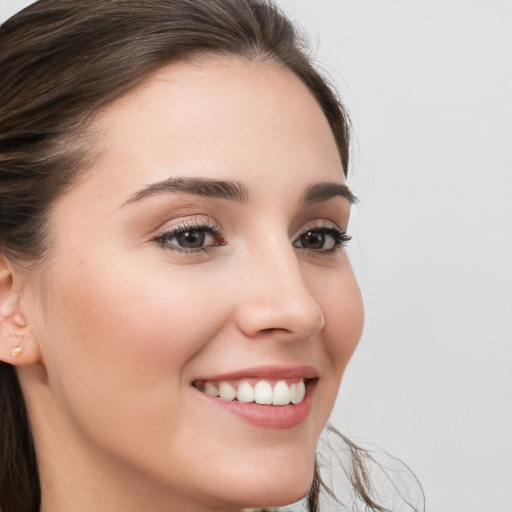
259,391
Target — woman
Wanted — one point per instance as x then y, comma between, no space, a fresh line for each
177,307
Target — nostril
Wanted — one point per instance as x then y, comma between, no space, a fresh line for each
288,310
272,330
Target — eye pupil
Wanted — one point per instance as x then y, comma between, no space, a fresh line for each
313,240
192,239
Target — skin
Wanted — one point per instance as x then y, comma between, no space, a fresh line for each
115,326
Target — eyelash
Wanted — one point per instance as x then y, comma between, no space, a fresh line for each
340,237
204,227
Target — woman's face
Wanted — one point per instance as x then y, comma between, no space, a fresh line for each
203,252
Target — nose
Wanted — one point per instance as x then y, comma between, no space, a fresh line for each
275,298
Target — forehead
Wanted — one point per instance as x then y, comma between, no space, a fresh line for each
225,118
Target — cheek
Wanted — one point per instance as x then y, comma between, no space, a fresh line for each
124,335
345,317
340,299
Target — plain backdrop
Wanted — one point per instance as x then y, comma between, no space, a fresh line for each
428,85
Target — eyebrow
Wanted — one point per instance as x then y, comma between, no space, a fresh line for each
232,190
235,191
318,192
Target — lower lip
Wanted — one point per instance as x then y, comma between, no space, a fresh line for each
267,416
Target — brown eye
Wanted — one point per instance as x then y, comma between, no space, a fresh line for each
312,240
192,239
322,239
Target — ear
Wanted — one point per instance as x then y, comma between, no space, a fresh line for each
17,344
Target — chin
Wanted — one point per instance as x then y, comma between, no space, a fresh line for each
275,486
279,497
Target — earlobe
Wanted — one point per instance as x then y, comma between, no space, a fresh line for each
17,346
16,351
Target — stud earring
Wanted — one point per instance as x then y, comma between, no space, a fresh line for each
16,351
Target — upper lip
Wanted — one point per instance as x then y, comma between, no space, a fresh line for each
266,372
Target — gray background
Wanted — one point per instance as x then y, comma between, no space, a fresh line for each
428,85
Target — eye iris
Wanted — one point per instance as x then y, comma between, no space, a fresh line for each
192,239
313,240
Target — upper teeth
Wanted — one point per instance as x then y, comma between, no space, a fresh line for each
262,392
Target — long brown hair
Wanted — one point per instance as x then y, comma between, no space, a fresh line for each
60,62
